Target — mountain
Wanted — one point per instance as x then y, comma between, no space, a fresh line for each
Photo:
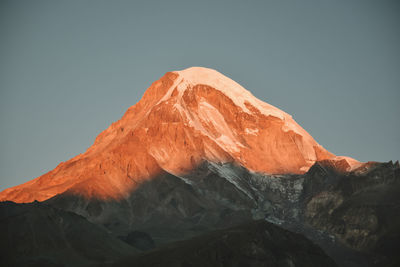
184,119
198,154
35,234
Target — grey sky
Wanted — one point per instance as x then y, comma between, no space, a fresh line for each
70,68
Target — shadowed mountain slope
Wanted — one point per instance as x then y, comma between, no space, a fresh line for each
39,235
254,244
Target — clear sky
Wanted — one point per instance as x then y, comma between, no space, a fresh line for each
70,68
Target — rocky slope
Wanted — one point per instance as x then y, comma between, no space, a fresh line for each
183,119
351,215
254,244
172,208
360,209
39,235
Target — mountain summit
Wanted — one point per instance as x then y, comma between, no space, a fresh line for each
183,119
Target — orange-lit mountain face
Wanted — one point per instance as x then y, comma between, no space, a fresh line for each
183,119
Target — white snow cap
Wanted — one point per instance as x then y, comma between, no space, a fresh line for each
233,90
238,94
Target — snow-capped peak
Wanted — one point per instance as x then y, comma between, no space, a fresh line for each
233,90
185,118
238,94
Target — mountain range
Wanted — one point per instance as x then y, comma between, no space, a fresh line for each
197,156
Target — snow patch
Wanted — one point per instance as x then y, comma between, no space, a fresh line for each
210,115
187,181
170,90
229,174
228,143
251,131
304,168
